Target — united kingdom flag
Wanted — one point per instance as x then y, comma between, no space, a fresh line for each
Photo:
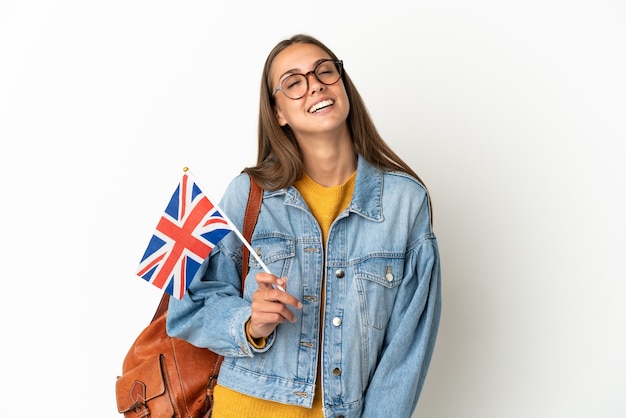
184,237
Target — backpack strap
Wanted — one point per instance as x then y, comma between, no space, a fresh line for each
249,223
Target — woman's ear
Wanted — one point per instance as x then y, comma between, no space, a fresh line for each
279,116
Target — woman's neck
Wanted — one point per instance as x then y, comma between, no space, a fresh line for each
330,165
328,157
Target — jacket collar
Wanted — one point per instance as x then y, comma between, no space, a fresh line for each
366,199
368,191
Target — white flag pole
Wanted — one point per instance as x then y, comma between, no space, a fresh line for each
232,225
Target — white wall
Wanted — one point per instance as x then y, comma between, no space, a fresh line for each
512,112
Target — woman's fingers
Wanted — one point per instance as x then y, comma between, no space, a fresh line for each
267,280
270,305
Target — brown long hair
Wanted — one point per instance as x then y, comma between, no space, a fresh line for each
279,160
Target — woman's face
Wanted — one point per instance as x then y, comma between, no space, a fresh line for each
323,109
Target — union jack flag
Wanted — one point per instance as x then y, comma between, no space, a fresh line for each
184,237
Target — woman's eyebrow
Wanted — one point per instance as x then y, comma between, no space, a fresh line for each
299,71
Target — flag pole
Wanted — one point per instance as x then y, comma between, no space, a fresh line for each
234,228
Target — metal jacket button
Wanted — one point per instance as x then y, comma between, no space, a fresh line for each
389,275
336,321
340,274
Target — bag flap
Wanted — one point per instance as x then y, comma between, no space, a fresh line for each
140,384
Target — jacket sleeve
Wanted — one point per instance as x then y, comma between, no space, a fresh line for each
410,337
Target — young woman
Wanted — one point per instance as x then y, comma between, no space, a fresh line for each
345,325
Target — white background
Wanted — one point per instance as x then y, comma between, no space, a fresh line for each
512,112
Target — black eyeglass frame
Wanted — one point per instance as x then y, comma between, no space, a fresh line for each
338,63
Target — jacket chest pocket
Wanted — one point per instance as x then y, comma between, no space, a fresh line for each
377,279
277,251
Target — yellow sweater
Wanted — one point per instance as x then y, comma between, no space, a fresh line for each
325,203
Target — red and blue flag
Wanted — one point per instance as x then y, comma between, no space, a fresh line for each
185,235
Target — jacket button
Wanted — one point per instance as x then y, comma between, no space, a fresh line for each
336,321
337,371
340,274
389,275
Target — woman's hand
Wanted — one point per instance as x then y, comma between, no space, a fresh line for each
270,305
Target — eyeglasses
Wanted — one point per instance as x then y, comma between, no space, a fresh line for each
295,86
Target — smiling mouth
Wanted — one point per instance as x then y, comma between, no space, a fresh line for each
321,106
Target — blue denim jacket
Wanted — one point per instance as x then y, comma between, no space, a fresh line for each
382,299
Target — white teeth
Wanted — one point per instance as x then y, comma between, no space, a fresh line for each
320,106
